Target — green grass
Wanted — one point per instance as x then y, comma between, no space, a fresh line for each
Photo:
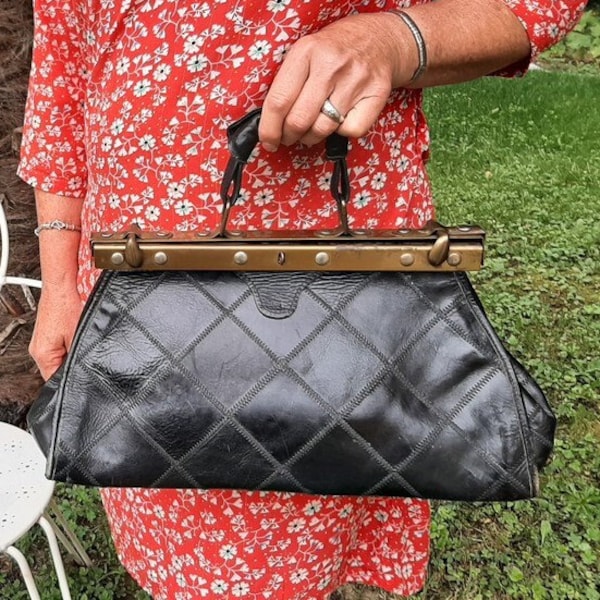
521,158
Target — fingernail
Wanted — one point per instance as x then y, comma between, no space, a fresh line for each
270,147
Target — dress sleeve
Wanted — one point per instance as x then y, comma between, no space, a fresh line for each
52,152
546,21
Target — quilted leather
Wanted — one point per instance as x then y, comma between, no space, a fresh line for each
364,383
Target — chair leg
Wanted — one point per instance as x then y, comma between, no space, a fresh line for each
25,571
58,563
73,545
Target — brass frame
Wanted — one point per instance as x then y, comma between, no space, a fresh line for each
434,248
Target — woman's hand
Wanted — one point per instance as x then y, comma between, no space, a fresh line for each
355,62
60,305
58,313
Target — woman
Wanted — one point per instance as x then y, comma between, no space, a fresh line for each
125,124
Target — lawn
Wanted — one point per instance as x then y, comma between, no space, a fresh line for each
522,159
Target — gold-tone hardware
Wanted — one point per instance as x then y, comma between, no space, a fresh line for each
163,234
107,234
464,228
240,258
454,259
294,251
322,258
117,258
160,258
439,250
133,254
407,259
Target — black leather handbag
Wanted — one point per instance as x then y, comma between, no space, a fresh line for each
355,364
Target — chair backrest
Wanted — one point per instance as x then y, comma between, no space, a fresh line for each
4,252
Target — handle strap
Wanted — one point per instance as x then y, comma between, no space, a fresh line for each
242,138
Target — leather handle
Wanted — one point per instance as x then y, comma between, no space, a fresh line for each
242,138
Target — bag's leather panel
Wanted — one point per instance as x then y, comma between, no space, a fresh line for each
364,383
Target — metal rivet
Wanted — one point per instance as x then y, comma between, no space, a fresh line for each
464,228
281,258
160,258
117,258
240,258
162,234
454,259
407,259
107,234
322,258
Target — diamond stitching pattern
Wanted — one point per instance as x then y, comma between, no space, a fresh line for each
383,377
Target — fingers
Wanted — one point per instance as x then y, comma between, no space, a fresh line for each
56,322
47,360
355,78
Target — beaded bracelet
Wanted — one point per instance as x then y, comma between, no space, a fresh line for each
55,224
420,41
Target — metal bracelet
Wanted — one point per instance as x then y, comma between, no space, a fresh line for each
419,40
57,225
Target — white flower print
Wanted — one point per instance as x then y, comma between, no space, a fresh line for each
147,142
197,63
324,182
114,201
176,190
36,121
264,197
313,507
299,575
117,126
381,516
183,208
122,65
296,525
106,144
192,44
152,213
219,586
378,181
141,88
162,72
362,199
280,52
227,552
277,5
240,589
259,50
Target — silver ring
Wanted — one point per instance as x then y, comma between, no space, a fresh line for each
329,110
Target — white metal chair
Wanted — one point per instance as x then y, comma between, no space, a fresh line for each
25,493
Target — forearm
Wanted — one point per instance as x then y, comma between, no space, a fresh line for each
465,39
58,248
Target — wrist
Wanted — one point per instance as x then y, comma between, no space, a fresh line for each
419,42
409,64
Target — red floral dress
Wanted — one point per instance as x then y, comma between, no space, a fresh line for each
128,105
